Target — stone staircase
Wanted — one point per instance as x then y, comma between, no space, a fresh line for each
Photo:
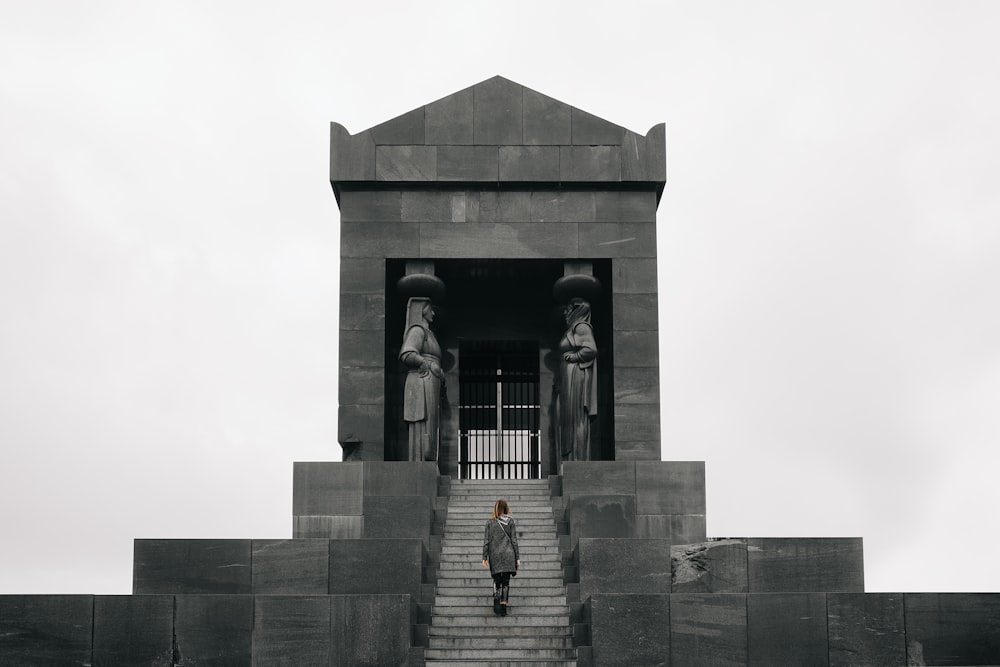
463,630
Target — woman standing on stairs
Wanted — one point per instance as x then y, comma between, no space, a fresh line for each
500,553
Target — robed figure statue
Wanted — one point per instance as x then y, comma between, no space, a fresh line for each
576,394
421,354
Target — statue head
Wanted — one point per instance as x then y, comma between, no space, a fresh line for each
419,312
577,310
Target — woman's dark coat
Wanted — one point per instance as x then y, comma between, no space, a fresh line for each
498,549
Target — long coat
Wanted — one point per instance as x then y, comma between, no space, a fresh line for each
498,549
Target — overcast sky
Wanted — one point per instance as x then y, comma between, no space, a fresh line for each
829,255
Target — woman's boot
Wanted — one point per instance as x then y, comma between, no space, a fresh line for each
504,591
496,599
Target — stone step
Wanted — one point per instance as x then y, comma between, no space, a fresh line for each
500,663
472,611
498,630
500,654
479,598
515,620
523,548
478,590
477,564
527,540
500,641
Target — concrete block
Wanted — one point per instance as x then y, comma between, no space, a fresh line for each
468,163
791,564
635,312
405,163
670,487
547,121
866,629
291,567
601,516
678,528
708,630
637,450
370,630
327,488
363,424
401,478
637,206
362,276
370,205
787,629
405,129
487,240
362,312
496,118
191,566
718,566
292,630
328,527
376,566
361,386
448,121
590,164
362,348
637,423
133,630
636,349
656,157
629,276
635,158
513,206
378,241
46,629
590,130
590,478
577,206
544,206
427,206
626,239
630,630
628,565
398,516
213,629
952,628
529,163
636,386
352,158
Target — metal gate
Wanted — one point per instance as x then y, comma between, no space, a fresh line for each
498,410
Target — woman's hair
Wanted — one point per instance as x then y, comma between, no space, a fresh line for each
500,508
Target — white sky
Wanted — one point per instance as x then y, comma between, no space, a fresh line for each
829,258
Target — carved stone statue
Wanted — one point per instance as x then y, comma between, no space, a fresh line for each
576,394
421,354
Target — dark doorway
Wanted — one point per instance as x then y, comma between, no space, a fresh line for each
499,409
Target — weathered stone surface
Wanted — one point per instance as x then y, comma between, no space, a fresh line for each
590,130
544,206
644,158
635,276
405,129
362,424
529,163
670,487
805,564
640,386
787,629
514,240
328,527
362,312
376,566
448,121
627,206
46,629
601,516
352,158
636,349
405,163
359,239
708,630
327,488
630,630
635,312
291,630
637,450
362,276
678,528
213,629
191,566
590,163
866,629
952,628
401,478
134,630
718,566
624,565
362,348
656,159
637,422
546,121
589,478
291,567
609,239
577,206
361,386
371,630
398,516
370,205
428,205
496,112
468,163
513,206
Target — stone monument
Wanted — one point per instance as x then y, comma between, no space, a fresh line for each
499,338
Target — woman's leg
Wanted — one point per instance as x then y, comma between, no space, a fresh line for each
496,593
